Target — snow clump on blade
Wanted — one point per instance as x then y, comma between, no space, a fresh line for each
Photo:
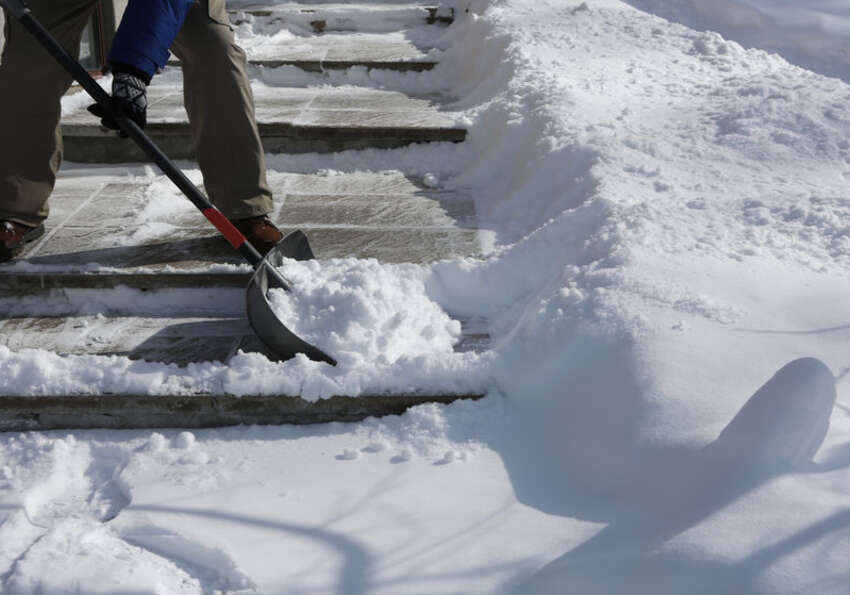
364,311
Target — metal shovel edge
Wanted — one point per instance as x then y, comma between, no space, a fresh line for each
266,324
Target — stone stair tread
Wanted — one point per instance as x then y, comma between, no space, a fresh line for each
368,62
191,249
99,223
21,283
336,16
349,47
393,51
164,339
292,107
25,413
330,6
291,120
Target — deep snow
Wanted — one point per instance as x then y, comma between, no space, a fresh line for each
670,216
813,34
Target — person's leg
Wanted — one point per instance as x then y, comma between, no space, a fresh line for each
220,104
31,86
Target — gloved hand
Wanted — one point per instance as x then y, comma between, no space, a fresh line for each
129,97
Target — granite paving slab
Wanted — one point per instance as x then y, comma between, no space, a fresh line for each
106,231
322,17
25,413
191,248
337,51
291,120
165,339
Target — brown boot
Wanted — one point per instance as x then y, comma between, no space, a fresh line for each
260,231
13,236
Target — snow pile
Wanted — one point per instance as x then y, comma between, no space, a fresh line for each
671,232
364,312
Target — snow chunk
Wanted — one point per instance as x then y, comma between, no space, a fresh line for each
349,454
402,457
185,440
364,311
450,457
156,443
377,446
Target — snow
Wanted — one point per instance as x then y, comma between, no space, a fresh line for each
363,312
812,34
666,294
272,510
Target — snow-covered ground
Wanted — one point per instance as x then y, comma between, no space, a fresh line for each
671,242
814,34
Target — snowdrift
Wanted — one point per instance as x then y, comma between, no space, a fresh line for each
812,34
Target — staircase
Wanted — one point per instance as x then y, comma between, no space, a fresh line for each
94,241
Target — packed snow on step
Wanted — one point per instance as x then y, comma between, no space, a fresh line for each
667,290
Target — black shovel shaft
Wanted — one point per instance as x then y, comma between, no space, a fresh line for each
75,69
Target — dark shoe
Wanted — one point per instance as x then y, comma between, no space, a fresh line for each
260,231
13,236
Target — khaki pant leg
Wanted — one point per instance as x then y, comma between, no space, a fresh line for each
31,87
220,104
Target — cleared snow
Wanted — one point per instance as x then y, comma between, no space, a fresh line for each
667,297
363,312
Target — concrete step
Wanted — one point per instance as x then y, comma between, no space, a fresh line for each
23,413
389,51
396,51
291,120
167,339
324,17
105,231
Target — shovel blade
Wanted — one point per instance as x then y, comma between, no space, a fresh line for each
269,328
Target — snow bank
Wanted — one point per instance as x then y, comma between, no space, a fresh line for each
814,34
638,174
671,217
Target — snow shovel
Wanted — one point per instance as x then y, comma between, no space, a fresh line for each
268,327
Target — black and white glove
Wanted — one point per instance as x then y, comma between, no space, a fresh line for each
129,98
